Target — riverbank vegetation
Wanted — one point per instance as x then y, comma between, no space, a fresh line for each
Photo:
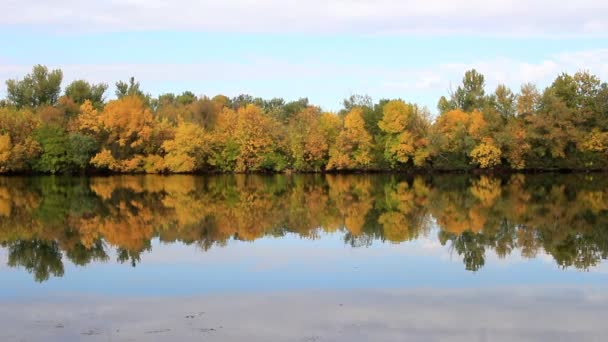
44,129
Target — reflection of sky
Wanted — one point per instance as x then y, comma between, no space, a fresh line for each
294,263
506,314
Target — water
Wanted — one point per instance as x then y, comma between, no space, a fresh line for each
304,258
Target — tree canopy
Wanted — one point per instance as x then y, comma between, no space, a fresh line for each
563,126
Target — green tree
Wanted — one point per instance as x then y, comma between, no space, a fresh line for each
41,87
132,88
81,148
471,94
505,102
42,258
81,90
54,142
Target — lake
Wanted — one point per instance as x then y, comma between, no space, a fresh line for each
374,257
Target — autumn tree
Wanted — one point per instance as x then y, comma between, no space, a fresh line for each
528,99
18,148
352,149
128,124
224,145
405,132
186,152
257,136
308,141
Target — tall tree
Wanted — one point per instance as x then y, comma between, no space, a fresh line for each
40,87
80,91
405,134
352,149
471,94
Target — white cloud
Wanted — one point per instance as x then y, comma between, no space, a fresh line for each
445,76
323,80
498,17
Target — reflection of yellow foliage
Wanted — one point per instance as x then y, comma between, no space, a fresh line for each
477,219
5,207
128,211
131,227
518,198
486,190
396,226
352,200
596,201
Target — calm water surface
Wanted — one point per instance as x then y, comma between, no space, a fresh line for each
304,258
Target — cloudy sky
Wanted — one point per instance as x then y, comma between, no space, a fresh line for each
321,49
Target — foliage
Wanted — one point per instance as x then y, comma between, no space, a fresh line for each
80,91
45,220
352,149
486,154
563,126
39,88
187,150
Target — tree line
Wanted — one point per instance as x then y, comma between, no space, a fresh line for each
45,129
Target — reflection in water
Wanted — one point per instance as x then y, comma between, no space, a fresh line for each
46,219
460,315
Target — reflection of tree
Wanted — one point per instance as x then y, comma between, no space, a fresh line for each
132,257
82,255
404,216
41,258
469,245
41,217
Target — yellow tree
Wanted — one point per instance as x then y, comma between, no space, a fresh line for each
352,149
486,154
128,121
129,126
224,148
186,151
451,128
254,133
515,143
17,145
87,121
595,141
467,135
405,132
307,141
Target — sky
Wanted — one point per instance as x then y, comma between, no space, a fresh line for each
325,50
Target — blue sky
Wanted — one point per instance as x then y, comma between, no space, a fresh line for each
323,50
